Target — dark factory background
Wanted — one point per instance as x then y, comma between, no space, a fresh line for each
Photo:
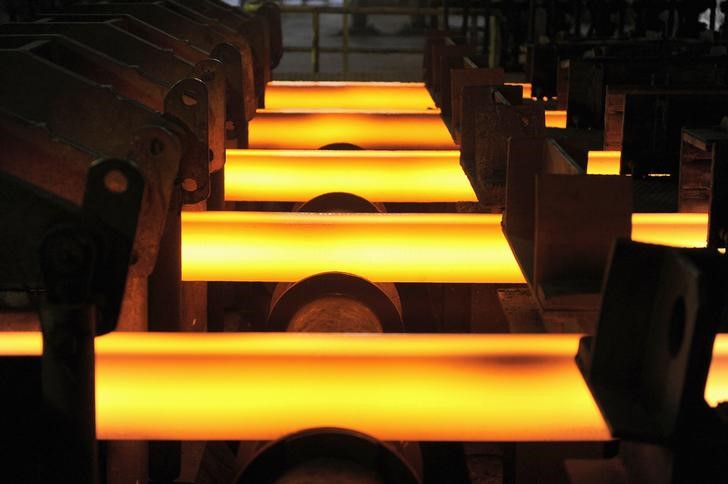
205,203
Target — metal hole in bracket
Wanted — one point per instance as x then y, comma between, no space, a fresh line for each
156,147
189,100
189,184
676,330
211,156
116,182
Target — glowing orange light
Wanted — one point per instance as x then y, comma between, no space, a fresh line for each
254,246
603,162
371,131
252,386
555,119
378,176
716,388
357,96
675,229
527,88
286,247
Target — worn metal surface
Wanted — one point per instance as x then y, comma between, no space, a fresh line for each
335,302
648,363
488,121
33,152
189,39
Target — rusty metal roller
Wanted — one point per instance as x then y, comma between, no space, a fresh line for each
329,455
336,302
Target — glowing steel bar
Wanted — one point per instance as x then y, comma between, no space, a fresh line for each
378,176
355,96
527,88
370,131
675,229
254,246
252,386
603,162
555,119
286,247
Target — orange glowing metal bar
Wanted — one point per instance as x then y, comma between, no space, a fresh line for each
603,162
675,229
252,386
378,176
356,96
370,131
555,119
716,388
254,246
456,248
527,88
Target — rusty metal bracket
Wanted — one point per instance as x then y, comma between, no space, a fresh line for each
187,102
560,224
488,121
189,39
38,135
648,363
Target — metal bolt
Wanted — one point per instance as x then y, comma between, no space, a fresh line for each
116,182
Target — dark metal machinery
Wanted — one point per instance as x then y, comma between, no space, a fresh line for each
75,267
169,85
170,89
648,363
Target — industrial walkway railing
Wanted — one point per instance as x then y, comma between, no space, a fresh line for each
439,16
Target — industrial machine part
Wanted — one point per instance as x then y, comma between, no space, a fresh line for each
447,56
550,66
135,82
320,456
204,24
185,104
718,223
698,150
388,97
335,302
73,261
489,119
339,202
648,364
470,75
561,224
256,29
649,122
588,80
189,39
369,131
378,176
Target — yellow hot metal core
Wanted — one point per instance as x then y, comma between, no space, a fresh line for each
603,162
370,131
675,229
378,176
555,119
255,246
354,96
253,386
453,248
